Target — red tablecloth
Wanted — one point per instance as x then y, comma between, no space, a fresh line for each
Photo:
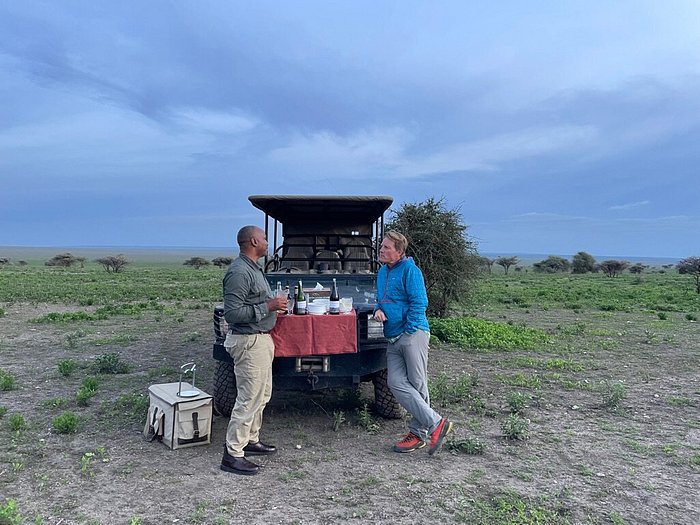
301,335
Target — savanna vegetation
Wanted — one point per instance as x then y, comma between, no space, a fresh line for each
574,394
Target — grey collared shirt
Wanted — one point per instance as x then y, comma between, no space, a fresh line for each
245,294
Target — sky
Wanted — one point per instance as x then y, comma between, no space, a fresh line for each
553,127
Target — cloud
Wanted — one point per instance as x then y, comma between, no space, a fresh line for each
389,151
210,121
629,206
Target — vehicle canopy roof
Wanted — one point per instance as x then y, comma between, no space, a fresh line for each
338,209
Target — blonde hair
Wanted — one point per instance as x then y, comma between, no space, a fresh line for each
400,242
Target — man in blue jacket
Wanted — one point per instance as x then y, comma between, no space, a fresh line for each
401,304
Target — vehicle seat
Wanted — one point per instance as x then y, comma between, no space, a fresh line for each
328,260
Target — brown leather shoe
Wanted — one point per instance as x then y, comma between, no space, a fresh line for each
259,449
236,465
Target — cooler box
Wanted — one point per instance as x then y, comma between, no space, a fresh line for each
179,421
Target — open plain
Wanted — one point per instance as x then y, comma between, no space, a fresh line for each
598,423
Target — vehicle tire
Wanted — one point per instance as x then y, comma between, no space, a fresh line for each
385,403
224,389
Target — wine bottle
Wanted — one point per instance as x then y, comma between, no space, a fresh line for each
300,303
334,305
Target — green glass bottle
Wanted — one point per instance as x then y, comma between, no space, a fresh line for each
300,301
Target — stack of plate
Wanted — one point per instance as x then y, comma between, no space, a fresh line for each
317,309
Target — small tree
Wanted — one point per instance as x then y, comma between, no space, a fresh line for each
4,261
113,263
637,268
65,260
222,262
583,263
613,268
552,264
507,262
438,242
487,263
196,262
691,266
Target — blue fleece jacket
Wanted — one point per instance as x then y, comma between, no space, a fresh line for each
402,297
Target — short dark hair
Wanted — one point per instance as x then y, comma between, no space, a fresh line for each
245,234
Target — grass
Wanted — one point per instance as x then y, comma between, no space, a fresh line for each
7,381
446,391
473,333
516,428
574,352
94,286
110,363
66,367
66,423
510,508
470,445
656,292
613,393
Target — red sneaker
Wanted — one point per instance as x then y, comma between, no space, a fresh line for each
409,443
437,436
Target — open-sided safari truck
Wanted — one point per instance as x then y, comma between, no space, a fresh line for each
315,239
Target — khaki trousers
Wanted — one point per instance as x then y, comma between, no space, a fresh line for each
252,361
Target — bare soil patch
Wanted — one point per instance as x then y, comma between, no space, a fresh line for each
582,462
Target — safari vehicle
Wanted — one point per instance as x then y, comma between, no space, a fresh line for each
316,239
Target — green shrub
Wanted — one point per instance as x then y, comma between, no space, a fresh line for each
110,364
87,391
516,402
7,381
67,317
66,367
444,392
17,422
66,423
2,312
470,445
515,427
130,408
662,315
9,513
90,383
3,411
613,393
691,317
469,332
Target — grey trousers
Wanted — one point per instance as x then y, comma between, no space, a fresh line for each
407,367
252,363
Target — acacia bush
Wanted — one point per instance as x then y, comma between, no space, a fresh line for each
196,262
438,242
552,264
691,266
65,260
507,262
583,262
222,262
113,263
613,268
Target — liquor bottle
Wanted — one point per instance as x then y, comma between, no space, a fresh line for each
334,305
300,303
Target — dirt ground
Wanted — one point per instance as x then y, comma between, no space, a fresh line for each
582,462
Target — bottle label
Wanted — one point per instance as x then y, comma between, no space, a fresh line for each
301,307
334,307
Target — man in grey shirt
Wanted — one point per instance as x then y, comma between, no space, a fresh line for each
250,309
